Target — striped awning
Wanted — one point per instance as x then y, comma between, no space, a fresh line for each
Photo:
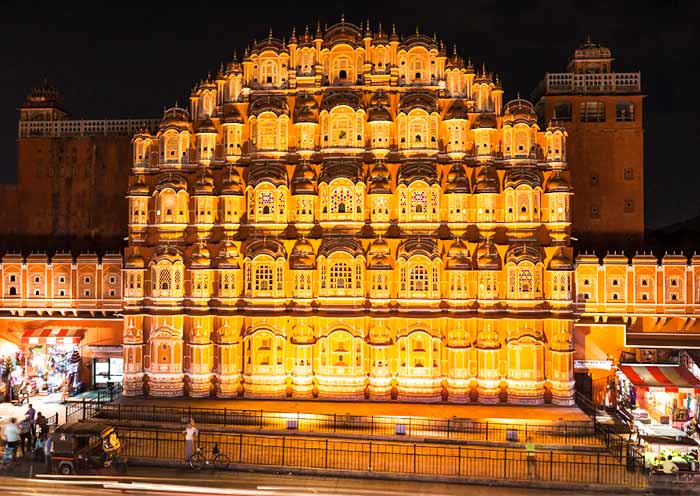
671,379
53,336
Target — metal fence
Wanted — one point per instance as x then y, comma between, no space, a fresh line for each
346,455
87,407
568,433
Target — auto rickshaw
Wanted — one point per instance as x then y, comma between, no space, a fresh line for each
78,447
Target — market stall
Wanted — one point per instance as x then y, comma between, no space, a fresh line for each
660,441
52,359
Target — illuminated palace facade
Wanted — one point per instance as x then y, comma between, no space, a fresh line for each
350,214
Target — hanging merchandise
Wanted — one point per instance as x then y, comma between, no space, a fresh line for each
74,362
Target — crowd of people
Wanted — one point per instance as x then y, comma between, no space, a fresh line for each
29,436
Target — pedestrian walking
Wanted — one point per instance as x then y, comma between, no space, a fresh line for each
47,453
531,459
10,434
31,417
39,449
190,434
25,438
43,424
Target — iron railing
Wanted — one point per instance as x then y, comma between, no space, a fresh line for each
359,456
565,433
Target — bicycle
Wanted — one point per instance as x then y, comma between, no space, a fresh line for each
218,460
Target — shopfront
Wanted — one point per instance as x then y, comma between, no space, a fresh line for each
52,359
668,393
107,363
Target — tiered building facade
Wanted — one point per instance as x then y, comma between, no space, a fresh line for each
350,215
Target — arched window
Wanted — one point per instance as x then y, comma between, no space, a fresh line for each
263,277
418,131
342,69
13,291
340,276
341,200
266,204
268,72
341,128
164,280
525,280
418,278
267,132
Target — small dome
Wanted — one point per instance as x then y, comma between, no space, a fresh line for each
486,180
304,180
206,127
232,115
139,188
560,261
228,256
379,255
175,116
457,181
205,184
200,256
232,183
523,251
486,256
305,109
522,175
303,256
458,256
380,180
457,111
485,120
379,98
135,261
379,113
557,184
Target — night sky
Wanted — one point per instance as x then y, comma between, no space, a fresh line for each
123,61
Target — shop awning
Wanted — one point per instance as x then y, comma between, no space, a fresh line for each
53,336
671,378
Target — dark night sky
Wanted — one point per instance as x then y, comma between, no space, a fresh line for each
119,62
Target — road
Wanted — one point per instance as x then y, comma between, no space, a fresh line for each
161,481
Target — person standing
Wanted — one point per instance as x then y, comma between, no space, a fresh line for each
31,417
11,434
190,434
47,453
25,442
531,459
43,424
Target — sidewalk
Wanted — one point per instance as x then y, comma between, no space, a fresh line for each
49,405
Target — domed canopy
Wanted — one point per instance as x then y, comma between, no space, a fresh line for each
228,256
342,243
519,109
265,246
379,113
418,170
43,95
200,256
560,261
458,256
522,175
523,252
485,120
305,109
343,32
486,256
171,181
457,111
135,261
379,98
457,181
175,117
418,99
232,115
335,168
272,172
303,256
304,180
206,127
139,188
380,180
232,183
350,99
269,103
557,184
418,246
205,184
486,180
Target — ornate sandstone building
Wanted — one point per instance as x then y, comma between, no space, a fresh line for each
350,214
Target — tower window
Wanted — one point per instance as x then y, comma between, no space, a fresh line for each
342,74
628,173
37,279
624,112
629,206
268,79
562,111
13,278
592,112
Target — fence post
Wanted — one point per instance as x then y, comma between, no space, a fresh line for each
369,467
83,408
487,430
326,452
551,464
409,426
459,461
283,446
371,429
505,463
415,463
597,477
526,432
261,419
157,444
240,447
334,421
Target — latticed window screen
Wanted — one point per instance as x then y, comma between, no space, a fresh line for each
340,276
178,280
358,276
418,278
263,278
525,280
280,278
164,279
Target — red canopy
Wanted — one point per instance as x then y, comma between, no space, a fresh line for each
671,378
53,336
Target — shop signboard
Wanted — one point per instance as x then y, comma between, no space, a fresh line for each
593,364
